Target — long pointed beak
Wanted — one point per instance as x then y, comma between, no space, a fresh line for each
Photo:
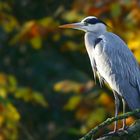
72,25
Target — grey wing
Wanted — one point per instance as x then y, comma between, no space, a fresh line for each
123,69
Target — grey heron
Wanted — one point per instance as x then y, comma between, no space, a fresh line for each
112,61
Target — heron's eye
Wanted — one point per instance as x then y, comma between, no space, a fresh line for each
85,23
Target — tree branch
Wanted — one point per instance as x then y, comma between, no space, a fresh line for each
92,132
132,133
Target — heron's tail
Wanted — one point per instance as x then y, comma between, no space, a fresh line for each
131,95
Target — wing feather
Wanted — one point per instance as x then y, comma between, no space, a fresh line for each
119,68
122,60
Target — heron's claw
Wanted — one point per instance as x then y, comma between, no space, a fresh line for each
111,133
117,132
123,129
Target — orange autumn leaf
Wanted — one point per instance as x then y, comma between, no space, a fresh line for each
82,113
130,120
34,30
105,99
3,79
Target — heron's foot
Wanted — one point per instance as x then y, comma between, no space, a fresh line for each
124,129
117,132
111,133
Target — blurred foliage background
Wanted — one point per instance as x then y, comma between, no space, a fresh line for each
47,91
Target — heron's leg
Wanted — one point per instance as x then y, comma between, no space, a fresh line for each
124,120
117,103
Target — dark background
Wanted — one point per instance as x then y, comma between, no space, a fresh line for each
47,91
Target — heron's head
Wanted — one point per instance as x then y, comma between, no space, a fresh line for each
88,24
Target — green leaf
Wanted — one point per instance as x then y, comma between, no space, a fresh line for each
38,98
12,83
24,93
115,10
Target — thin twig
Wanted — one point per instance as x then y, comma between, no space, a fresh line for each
27,134
93,131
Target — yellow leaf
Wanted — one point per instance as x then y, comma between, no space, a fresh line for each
12,113
56,37
10,24
12,83
71,46
137,55
24,93
36,42
96,117
67,86
27,26
72,15
23,32
3,92
12,80
134,43
30,96
46,22
73,103
38,98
